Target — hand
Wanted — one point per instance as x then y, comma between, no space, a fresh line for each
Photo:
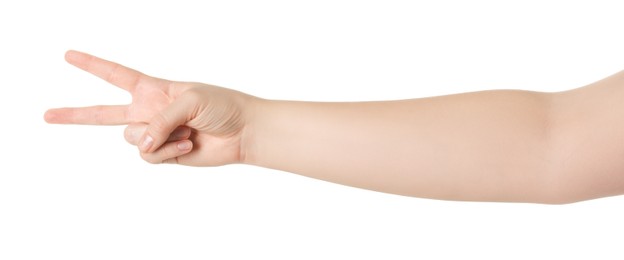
171,122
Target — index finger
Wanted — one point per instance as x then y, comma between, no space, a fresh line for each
116,74
95,115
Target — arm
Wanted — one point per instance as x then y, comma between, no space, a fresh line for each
488,146
503,145
485,146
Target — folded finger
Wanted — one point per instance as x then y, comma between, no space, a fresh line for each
168,152
133,133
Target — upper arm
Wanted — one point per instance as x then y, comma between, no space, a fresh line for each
587,136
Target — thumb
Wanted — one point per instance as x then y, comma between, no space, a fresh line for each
162,125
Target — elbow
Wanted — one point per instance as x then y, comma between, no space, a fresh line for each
554,182
570,171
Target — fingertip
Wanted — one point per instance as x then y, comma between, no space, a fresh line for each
185,145
59,116
50,116
71,56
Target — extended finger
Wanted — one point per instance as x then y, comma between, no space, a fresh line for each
95,115
168,152
133,133
116,74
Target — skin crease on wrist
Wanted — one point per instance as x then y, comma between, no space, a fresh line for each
501,145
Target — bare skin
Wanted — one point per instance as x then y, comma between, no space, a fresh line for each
503,145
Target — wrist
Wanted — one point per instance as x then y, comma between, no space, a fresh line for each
254,108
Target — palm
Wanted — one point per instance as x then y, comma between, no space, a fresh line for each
149,96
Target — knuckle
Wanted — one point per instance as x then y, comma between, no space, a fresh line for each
129,135
193,92
149,158
193,95
168,152
173,160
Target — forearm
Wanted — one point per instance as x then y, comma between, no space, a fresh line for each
490,145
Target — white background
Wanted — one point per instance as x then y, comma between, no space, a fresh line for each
81,192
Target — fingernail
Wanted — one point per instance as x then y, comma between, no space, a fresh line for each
147,143
183,146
